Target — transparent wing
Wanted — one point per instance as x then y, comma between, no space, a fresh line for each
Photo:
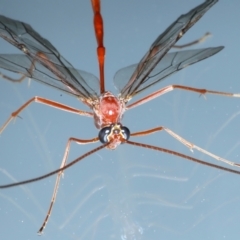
20,63
49,66
170,63
139,78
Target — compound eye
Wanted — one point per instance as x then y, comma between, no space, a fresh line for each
103,134
126,132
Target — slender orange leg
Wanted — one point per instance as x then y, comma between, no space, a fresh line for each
60,173
188,144
200,40
98,27
48,103
18,80
64,166
142,133
186,88
39,56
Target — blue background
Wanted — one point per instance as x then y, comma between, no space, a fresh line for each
130,193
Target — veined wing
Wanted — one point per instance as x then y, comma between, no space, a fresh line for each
49,66
139,78
170,63
20,63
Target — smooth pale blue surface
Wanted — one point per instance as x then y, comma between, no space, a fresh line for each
130,193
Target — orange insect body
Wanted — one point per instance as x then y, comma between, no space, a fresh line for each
109,110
